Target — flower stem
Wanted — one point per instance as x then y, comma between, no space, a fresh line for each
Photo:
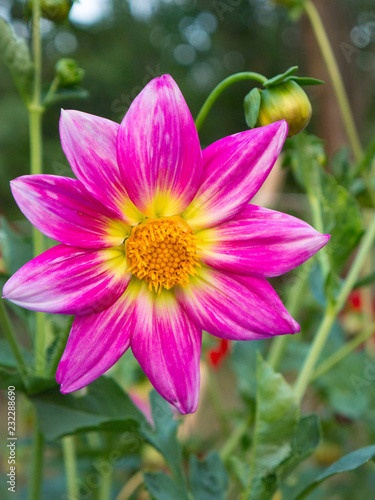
332,311
37,466
70,462
344,351
105,487
336,79
35,124
11,338
219,89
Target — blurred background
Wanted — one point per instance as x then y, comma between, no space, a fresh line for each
122,44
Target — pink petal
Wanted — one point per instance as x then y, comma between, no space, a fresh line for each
260,242
158,150
234,169
89,143
63,210
68,280
167,345
235,307
95,343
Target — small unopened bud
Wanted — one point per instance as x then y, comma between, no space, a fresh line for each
54,10
69,73
286,101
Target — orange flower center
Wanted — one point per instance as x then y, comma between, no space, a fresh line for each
162,252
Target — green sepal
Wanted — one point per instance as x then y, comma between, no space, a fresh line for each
305,80
280,78
252,105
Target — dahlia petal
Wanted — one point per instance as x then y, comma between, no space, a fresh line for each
95,343
234,169
63,210
259,242
235,307
68,280
167,345
89,143
158,150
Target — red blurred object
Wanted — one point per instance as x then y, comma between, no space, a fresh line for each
217,354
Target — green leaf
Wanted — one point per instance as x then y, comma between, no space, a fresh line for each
306,439
347,463
252,105
164,435
342,219
304,80
208,478
162,487
276,418
105,406
16,249
280,78
64,94
15,53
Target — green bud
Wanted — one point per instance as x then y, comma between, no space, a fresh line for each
286,101
53,10
69,73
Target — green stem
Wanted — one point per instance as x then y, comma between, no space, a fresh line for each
11,338
35,123
105,487
343,352
37,466
332,311
295,298
52,90
336,79
61,343
219,89
68,445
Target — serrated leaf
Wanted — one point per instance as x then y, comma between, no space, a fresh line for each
279,78
342,219
208,478
252,105
64,94
15,53
306,439
104,406
164,435
276,418
162,487
305,80
347,463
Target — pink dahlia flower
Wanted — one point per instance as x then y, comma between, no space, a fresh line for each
158,242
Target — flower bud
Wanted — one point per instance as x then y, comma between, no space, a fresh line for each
286,101
54,10
69,73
